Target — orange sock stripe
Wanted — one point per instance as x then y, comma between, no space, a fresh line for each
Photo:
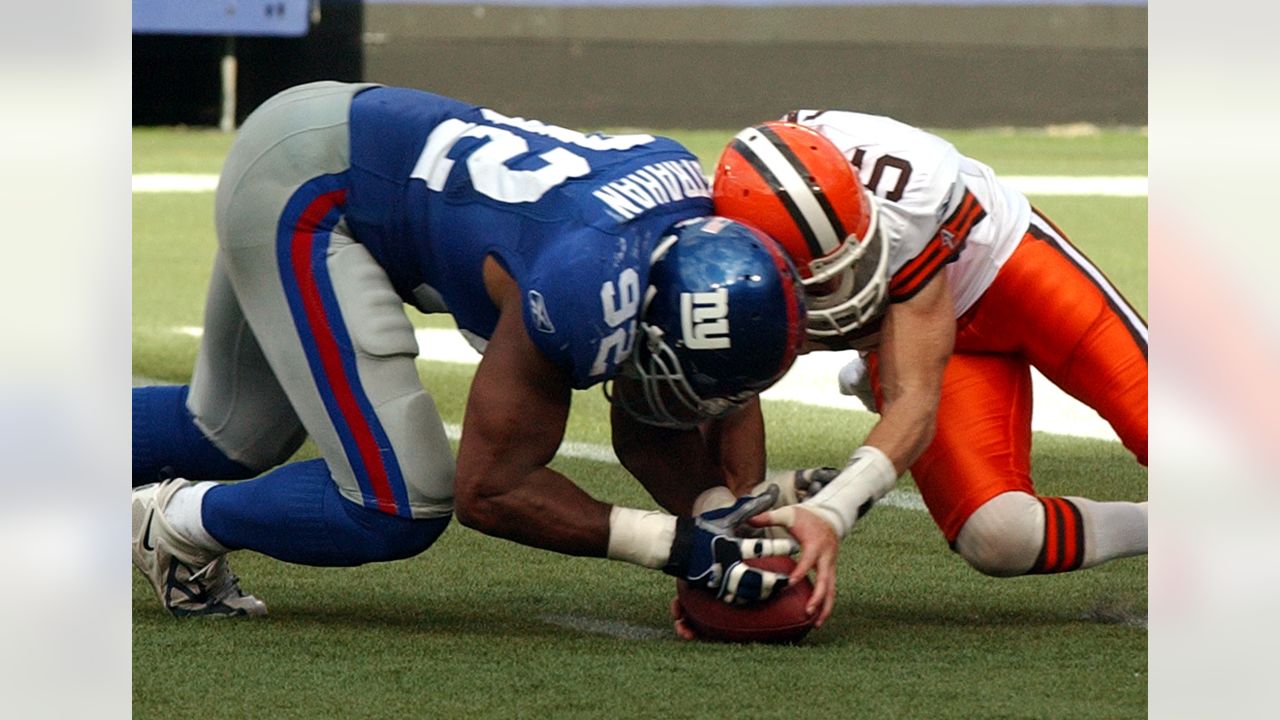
1063,549
1049,550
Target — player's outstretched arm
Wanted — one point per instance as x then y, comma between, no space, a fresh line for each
516,415
515,419
915,343
916,340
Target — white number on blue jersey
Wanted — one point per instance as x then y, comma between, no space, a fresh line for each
597,141
490,174
620,305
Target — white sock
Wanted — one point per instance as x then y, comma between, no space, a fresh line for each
184,513
1112,529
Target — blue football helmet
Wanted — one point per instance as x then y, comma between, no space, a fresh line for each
723,319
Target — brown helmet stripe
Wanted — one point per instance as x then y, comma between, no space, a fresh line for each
785,180
818,193
770,179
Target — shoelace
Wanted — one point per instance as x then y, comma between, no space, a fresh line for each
220,581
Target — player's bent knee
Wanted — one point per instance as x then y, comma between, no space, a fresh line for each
422,450
1003,537
382,537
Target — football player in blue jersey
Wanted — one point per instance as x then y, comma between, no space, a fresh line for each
569,260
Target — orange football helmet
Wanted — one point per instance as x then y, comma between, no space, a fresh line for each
795,185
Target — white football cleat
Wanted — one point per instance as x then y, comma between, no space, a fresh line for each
189,580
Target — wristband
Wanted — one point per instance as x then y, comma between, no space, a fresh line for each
641,537
866,479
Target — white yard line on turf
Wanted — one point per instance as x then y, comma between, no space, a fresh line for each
612,628
811,381
1119,186
174,183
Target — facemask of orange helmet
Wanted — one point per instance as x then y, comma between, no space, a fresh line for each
792,183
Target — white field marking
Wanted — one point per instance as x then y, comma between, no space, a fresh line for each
1119,186
812,381
174,183
1111,186
612,628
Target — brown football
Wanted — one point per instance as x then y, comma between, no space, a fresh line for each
780,619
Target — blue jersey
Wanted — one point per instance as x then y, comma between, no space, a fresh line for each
436,185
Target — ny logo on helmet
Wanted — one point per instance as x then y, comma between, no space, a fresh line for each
704,319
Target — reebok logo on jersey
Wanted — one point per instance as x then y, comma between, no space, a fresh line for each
538,309
704,319
948,238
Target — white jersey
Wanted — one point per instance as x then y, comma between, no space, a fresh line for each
938,208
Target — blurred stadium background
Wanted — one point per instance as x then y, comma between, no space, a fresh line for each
479,627
663,63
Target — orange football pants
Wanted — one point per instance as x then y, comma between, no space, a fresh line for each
1048,307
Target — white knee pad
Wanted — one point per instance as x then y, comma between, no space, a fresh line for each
1003,537
413,425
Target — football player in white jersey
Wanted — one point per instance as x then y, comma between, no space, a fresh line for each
952,286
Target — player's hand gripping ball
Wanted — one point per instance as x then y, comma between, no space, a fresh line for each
780,619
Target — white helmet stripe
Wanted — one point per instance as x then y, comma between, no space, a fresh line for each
795,186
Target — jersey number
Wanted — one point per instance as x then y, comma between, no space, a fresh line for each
620,304
895,165
489,164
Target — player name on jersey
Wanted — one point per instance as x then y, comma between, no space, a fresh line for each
652,185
